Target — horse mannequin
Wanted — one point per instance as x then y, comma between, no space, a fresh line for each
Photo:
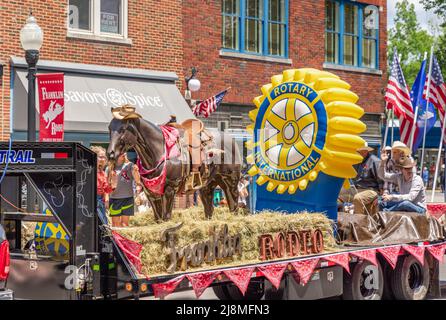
128,130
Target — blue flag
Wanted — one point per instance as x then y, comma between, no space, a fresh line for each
425,111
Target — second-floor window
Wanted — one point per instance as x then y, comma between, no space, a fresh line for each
255,26
351,34
98,17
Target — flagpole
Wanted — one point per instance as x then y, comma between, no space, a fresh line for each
393,125
387,125
427,106
414,123
438,160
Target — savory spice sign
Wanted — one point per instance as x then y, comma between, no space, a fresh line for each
51,106
290,244
220,246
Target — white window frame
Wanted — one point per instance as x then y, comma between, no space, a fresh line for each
95,23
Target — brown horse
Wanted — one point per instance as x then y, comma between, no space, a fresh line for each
146,138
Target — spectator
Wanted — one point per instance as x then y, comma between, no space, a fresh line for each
104,188
425,176
122,198
411,196
243,192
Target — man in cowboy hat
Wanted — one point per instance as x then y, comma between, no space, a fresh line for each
394,153
412,193
367,185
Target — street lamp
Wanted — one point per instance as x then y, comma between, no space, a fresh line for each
192,85
31,38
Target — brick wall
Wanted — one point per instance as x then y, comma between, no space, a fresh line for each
202,44
154,26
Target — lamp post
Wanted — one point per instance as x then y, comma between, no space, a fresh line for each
192,85
31,38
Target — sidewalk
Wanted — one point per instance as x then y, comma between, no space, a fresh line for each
439,196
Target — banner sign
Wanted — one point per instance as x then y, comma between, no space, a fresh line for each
51,106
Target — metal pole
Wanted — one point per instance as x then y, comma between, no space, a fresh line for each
32,56
427,105
393,125
414,126
438,160
387,127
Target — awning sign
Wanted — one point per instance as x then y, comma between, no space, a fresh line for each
51,106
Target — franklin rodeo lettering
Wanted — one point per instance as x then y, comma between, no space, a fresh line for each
291,244
16,157
219,247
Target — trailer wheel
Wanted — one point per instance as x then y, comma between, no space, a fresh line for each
366,282
221,292
275,294
229,291
410,280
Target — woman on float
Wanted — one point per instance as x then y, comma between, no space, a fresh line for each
104,188
122,199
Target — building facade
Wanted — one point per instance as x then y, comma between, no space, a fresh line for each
233,43
128,42
242,43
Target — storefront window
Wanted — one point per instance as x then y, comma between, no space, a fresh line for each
79,14
255,26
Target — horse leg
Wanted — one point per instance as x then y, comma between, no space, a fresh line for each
228,184
157,207
207,197
168,201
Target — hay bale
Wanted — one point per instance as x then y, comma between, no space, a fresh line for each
154,255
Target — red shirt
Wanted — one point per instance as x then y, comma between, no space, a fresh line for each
103,185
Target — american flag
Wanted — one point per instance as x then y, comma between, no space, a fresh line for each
437,90
206,107
398,97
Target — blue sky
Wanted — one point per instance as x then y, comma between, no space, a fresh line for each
422,16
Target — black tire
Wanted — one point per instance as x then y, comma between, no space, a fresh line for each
387,271
221,292
410,280
230,291
365,282
275,294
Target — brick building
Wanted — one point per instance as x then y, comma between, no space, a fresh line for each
236,43
242,43
123,44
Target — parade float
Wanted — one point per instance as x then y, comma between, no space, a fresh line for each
292,245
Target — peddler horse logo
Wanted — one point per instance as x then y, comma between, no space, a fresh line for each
51,114
305,122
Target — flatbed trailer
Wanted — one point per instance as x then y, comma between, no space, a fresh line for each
93,266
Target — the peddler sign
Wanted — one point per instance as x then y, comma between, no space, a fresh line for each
51,106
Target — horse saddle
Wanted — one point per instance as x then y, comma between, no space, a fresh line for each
197,140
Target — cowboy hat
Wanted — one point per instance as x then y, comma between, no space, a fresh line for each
401,146
365,147
406,162
125,112
388,148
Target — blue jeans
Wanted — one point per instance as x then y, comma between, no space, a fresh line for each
101,209
404,205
